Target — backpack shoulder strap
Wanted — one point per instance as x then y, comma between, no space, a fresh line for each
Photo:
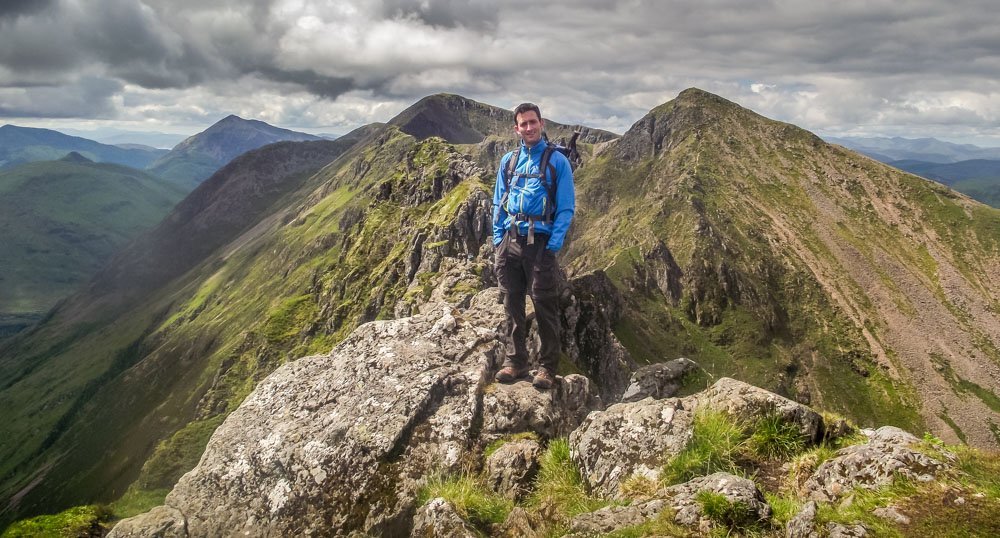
550,186
511,165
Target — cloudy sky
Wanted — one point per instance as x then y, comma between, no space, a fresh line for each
909,68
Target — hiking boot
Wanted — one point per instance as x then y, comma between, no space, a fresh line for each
544,379
510,374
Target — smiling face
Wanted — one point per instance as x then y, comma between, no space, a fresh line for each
529,127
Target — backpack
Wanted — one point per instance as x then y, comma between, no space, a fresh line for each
528,203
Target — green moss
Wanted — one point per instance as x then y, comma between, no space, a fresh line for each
71,523
287,320
495,445
137,501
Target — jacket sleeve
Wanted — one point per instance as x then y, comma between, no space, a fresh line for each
499,215
565,203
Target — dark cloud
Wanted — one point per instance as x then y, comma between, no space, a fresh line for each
476,14
10,9
822,66
88,97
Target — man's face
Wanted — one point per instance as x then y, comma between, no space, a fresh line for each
529,127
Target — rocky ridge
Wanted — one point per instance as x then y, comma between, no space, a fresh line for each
305,455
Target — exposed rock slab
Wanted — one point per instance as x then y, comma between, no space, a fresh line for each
512,468
745,401
658,380
160,522
327,441
438,518
887,454
519,407
630,438
613,518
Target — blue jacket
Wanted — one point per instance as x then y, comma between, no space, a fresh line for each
528,163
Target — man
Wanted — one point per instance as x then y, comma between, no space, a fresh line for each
533,207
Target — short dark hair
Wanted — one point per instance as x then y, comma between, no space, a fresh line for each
526,107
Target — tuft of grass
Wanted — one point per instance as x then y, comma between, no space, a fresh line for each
559,489
783,507
638,486
773,438
662,525
731,515
715,444
473,501
77,521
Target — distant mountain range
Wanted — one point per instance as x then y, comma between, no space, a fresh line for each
969,169
122,137
199,156
19,145
929,150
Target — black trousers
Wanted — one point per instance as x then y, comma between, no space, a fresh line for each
522,270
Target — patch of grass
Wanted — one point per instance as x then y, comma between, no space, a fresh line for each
473,501
715,444
731,515
76,521
783,507
288,318
639,486
136,501
177,455
773,438
559,489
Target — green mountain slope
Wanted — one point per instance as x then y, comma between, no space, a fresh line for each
20,145
763,253
199,156
167,341
746,244
60,221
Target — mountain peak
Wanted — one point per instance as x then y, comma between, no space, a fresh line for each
460,120
75,157
454,118
693,111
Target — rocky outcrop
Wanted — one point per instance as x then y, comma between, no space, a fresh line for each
889,453
742,492
628,439
749,403
340,442
439,518
511,469
520,407
592,305
613,518
658,380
